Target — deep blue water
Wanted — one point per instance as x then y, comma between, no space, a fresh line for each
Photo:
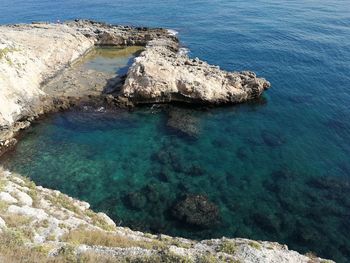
278,169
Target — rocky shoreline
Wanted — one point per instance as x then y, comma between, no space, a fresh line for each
40,224
33,55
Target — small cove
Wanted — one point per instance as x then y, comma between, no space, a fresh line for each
268,183
277,169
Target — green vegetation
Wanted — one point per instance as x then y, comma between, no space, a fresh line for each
2,184
3,206
178,243
207,259
11,238
255,245
228,247
163,257
5,51
63,201
32,190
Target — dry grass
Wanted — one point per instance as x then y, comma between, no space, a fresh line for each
63,201
13,220
3,206
13,250
100,238
98,221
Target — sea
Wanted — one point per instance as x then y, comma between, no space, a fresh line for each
277,168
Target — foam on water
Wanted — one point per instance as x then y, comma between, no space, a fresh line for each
173,32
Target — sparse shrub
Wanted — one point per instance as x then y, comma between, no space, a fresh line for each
169,257
11,238
3,206
13,220
207,259
255,245
228,247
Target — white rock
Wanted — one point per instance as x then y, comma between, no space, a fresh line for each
6,197
38,214
2,223
24,198
38,239
32,62
160,74
18,180
10,187
83,205
107,219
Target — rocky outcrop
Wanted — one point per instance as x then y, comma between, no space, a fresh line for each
39,224
163,74
32,55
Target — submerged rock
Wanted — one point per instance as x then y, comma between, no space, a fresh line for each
136,200
265,221
195,170
336,184
272,139
183,121
55,223
197,210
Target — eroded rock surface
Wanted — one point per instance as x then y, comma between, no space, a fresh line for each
163,74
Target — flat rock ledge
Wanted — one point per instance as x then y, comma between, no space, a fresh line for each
38,225
32,55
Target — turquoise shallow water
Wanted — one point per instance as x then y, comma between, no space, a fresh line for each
278,169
